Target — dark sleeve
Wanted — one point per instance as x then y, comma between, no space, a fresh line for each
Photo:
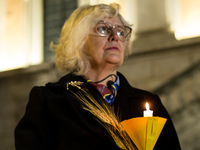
168,138
34,131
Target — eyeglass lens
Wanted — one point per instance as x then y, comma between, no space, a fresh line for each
104,29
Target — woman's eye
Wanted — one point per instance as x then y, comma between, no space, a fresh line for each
103,30
120,33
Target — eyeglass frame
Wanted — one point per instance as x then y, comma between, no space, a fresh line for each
114,27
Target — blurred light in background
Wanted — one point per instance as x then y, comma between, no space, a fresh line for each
21,40
188,24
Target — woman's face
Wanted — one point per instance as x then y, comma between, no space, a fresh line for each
105,50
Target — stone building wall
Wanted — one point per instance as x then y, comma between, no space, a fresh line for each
181,97
153,65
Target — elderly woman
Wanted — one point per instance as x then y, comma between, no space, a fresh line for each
74,113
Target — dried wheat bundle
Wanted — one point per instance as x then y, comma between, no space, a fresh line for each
104,113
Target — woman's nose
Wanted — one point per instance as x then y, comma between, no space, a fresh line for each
113,36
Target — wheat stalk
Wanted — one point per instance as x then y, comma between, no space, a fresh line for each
104,113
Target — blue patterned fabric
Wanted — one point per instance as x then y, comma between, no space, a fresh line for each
108,94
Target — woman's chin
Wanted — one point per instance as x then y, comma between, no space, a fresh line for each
116,61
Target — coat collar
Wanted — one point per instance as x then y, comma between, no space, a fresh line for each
61,84
121,103
124,85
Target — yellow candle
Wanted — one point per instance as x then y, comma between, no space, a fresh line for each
148,112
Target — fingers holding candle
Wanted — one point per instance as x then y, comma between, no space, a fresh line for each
147,112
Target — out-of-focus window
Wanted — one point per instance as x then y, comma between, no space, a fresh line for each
21,33
184,16
189,22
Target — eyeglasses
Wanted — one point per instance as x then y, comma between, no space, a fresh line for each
105,28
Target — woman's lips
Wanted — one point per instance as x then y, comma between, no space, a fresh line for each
113,48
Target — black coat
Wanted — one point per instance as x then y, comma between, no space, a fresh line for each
54,119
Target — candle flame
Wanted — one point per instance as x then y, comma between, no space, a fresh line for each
147,106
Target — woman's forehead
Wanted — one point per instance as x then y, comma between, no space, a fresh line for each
113,20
